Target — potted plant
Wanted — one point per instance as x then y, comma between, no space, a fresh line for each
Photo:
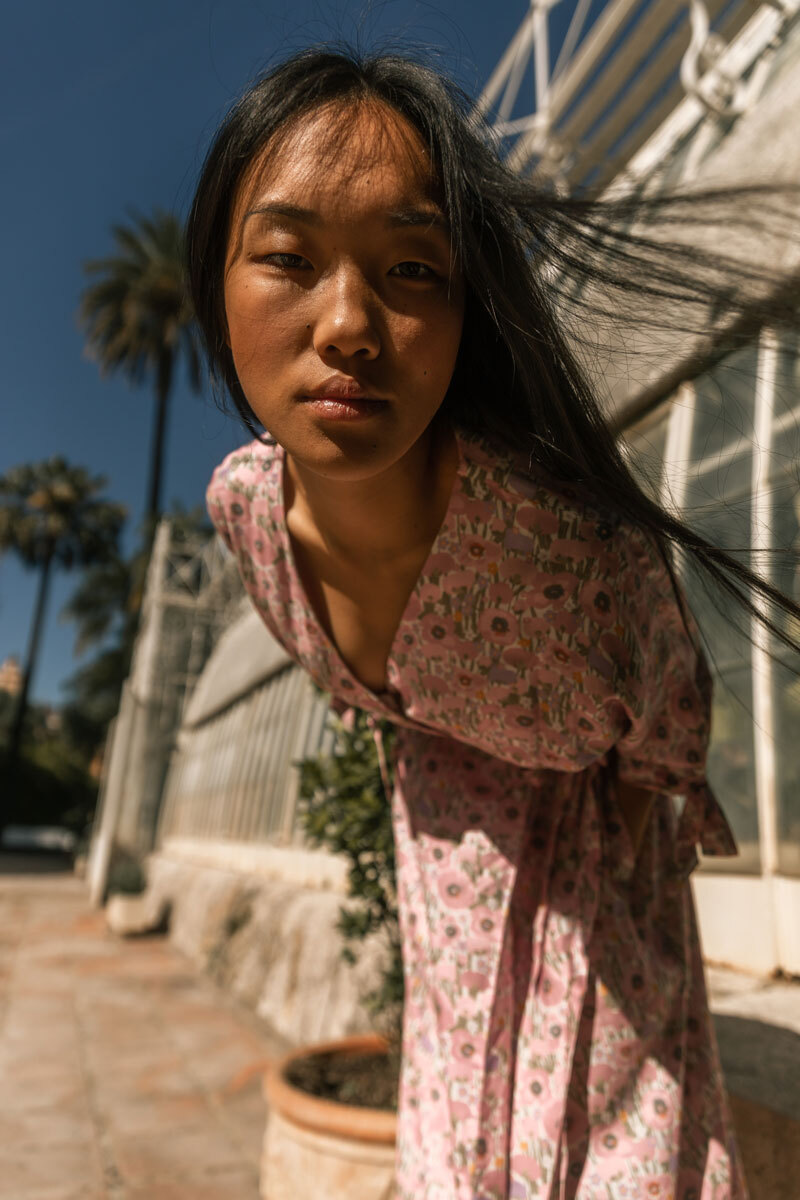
332,1107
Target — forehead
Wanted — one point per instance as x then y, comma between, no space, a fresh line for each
343,154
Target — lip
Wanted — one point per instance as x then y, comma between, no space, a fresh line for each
340,387
345,408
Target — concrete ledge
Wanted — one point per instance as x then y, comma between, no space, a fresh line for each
272,943
132,916
292,864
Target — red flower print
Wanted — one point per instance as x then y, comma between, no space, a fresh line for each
498,626
442,562
599,601
549,593
532,628
534,519
685,707
572,548
518,658
467,650
609,1142
537,1085
474,510
551,987
658,1108
454,581
658,1187
484,924
467,681
566,622
481,551
428,592
455,889
558,656
466,1049
474,981
434,627
434,685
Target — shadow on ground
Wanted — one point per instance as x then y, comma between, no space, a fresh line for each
761,1062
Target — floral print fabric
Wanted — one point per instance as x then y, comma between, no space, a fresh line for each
557,1041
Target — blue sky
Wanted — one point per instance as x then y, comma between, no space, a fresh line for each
109,106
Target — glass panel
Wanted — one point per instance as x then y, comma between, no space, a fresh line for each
787,384
731,771
786,701
717,497
646,443
724,409
785,573
718,504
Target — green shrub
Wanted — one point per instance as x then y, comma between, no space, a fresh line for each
126,875
344,807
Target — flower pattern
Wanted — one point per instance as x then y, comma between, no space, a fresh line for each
557,1040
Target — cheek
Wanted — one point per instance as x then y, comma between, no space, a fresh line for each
261,327
430,347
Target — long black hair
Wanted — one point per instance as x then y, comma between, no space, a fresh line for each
537,267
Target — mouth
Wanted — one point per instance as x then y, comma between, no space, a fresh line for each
343,399
344,408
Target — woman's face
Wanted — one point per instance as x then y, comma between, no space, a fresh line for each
344,310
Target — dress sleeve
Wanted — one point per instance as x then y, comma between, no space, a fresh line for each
663,687
215,503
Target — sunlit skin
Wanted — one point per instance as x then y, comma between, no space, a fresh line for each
340,279
340,265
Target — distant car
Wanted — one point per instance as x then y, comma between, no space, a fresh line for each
38,837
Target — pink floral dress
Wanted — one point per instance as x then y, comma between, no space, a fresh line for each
557,1041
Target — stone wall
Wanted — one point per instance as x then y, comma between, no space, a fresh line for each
271,942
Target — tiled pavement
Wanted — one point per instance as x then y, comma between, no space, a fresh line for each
128,1076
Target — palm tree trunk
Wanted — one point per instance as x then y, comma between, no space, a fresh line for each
34,640
163,388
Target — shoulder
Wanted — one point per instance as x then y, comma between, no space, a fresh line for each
244,471
544,519
243,476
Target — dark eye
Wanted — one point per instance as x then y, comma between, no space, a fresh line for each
413,270
288,262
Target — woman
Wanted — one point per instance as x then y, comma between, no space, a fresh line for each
440,529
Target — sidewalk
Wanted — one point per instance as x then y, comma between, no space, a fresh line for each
758,1030
130,1077
127,1075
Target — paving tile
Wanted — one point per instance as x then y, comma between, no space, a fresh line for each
132,1077
227,1185
69,1165
187,1154
146,1114
61,1192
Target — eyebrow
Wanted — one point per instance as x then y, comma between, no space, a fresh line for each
404,218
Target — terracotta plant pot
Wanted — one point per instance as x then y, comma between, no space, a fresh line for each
320,1148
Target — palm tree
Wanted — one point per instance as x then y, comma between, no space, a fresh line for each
139,319
50,515
105,609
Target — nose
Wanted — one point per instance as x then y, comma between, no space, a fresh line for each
347,319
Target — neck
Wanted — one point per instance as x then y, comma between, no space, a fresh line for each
375,521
